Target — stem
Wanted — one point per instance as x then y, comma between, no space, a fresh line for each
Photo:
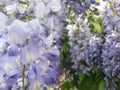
112,7
23,76
23,1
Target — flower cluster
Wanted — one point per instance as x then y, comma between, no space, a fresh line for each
48,12
85,47
111,48
27,56
94,49
80,7
79,41
29,42
87,50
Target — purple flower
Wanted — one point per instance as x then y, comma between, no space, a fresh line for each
53,72
51,57
16,35
49,80
12,77
1,87
34,70
13,50
29,54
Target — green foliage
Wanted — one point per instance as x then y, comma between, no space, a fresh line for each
94,22
65,52
82,81
67,86
23,5
65,47
102,85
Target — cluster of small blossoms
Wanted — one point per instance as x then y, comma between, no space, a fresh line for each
79,40
110,56
111,48
38,8
82,41
80,7
87,50
85,47
51,13
48,12
94,49
29,56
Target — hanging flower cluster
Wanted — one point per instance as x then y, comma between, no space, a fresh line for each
29,42
89,51
111,47
28,51
85,47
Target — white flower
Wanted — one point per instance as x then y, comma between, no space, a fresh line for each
17,32
21,10
39,10
3,20
55,5
7,63
11,8
20,24
46,1
3,46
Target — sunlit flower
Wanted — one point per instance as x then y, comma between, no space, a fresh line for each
3,20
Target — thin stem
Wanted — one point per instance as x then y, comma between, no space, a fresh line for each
23,76
23,1
112,7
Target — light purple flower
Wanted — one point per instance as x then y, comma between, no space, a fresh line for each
12,77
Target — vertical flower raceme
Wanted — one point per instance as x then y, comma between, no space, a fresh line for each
85,47
79,42
111,47
28,38
94,52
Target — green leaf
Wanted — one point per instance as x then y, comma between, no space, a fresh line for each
66,86
23,5
97,27
81,77
102,85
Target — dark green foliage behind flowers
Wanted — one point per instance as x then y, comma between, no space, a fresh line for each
95,22
84,82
